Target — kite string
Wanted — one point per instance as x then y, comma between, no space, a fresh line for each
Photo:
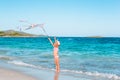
45,31
47,36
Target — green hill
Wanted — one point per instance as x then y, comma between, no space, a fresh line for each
12,33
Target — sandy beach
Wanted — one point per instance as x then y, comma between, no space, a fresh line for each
6,74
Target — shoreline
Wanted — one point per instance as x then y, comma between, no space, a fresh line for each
9,74
19,36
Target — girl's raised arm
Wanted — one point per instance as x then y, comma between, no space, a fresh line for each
55,39
50,41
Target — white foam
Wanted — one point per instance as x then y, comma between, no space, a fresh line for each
97,74
20,63
5,58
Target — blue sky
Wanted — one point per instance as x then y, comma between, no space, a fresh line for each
63,17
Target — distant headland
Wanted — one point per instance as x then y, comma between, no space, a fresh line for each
95,36
13,33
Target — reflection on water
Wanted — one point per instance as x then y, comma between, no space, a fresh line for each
56,76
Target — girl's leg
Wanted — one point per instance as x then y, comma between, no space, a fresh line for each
55,60
57,65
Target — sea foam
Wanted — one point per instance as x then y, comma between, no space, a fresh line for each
96,74
5,58
21,63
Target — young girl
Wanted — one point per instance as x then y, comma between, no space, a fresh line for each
55,45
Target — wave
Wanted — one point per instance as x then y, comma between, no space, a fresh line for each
95,74
5,58
21,63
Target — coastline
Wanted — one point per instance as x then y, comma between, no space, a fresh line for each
8,74
19,36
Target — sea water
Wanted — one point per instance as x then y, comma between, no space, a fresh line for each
92,57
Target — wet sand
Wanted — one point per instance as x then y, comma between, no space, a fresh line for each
6,74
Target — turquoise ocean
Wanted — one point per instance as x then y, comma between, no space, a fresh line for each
96,58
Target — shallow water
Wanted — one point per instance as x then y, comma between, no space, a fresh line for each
90,57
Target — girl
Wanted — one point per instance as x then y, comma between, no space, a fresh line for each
55,45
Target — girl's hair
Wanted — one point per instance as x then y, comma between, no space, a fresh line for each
58,42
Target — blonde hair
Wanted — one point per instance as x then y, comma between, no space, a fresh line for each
58,42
